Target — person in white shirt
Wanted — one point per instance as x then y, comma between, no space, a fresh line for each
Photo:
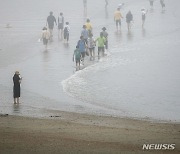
151,3
60,24
66,32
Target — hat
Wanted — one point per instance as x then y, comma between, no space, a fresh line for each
104,28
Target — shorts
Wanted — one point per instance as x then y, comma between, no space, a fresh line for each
45,41
128,21
78,60
51,26
143,18
60,26
118,22
66,36
86,41
100,49
83,54
91,49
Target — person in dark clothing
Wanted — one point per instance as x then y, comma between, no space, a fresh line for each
129,18
50,21
16,89
151,3
162,4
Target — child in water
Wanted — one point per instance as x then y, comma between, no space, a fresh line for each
45,36
66,32
77,57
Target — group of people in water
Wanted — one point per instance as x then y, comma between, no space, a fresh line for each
129,17
86,44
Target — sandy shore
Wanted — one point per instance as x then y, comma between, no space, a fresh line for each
65,132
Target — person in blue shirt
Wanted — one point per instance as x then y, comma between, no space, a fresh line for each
85,33
82,48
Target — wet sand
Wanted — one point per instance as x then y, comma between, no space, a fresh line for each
65,132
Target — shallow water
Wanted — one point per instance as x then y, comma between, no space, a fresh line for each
139,77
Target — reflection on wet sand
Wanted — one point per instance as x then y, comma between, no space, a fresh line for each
106,12
60,38
129,36
163,11
46,56
143,32
118,35
16,108
151,10
66,45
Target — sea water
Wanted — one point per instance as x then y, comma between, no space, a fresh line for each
138,78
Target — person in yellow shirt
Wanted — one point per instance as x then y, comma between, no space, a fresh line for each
88,26
117,18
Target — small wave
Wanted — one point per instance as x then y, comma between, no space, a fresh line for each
77,84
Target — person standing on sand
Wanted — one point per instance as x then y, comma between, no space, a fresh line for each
101,42
151,3
77,57
45,36
16,88
129,19
50,21
60,24
66,32
117,18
